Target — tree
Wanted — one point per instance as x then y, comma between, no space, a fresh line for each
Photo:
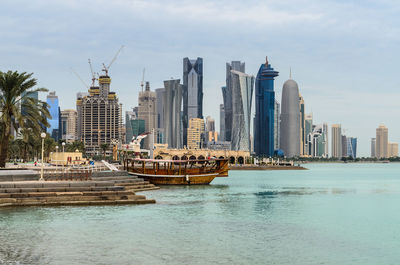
14,89
104,147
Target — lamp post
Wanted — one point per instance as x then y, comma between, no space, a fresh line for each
56,159
43,135
63,157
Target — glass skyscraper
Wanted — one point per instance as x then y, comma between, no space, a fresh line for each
265,108
172,113
192,92
242,93
227,95
54,121
352,147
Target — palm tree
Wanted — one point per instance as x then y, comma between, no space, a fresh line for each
14,90
104,147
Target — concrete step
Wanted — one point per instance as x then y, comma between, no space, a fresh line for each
51,184
67,198
61,189
114,178
146,188
78,203
53,194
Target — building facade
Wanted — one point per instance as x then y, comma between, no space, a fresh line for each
351,147
227,96
242,92
99,117
192,93
393,149
222,122
336,141
277,125
147,113
290,119
373,147
172,113
344,146
68,125
264,121
308,129
195,133
160,92
302,126
382,142
54,121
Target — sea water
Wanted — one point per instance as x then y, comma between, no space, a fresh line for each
329,214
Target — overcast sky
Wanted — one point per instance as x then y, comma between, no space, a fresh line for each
343,54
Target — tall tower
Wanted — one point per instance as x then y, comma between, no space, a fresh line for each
336,140
222,122
147,112
302,126
68,125
290,119
265,110
382,142
373,147
308,129
172,113
227,95
99,117
195,133
277,125
192,93
242,92
54,121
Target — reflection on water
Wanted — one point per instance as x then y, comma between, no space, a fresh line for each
331,214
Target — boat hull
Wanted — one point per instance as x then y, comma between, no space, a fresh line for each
203,179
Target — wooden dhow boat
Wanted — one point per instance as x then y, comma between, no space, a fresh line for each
177,172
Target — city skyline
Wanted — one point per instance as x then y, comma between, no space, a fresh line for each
325,48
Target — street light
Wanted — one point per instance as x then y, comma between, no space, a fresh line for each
56,159
43,135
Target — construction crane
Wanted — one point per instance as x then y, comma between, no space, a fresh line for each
79,77
106,68
93,74
142,83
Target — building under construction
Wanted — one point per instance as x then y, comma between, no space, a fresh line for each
99,118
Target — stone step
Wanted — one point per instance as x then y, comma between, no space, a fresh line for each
114,178
67,198
146,188
50,184
61,189
78,203
51,194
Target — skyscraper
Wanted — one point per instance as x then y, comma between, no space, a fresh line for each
393,149
192,92
382,142
242,92
344,146
290,119
308,129
373,147
160,93
302,124
351,147
210,124
134,126
172,113
147,112
99,117
222,122
227,95
277,125
265,110
336,140
195,133
68,125
54,121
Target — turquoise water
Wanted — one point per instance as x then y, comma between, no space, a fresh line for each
331,214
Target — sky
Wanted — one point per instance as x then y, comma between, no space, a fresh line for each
343,54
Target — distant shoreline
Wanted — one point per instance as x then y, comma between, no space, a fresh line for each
253,167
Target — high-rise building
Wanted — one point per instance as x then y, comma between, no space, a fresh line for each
326,140
172,113
54,121
242,92
265,110
195,133
133,126
373,147
147,112
302,126
336,140
227,95
318,140
222,122
351,147
382,142
68,125
160,92
393,149
277,125
344,146
28,94
290,119
210,124
99,117
192,93
308,129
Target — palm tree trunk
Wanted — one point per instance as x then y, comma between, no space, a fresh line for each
4,149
